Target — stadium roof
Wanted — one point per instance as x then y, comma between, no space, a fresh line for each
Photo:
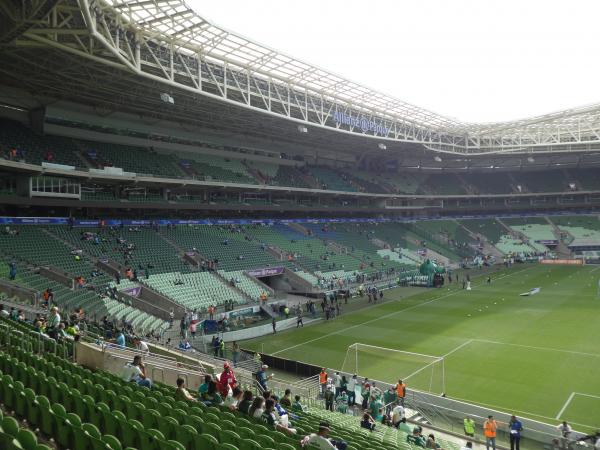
166,41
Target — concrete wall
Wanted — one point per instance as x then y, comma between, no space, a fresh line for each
12,290
252,332
113,360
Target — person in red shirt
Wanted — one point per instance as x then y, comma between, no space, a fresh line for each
226,380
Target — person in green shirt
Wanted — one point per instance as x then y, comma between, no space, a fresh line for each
342,403
212,396
469,426
204,386
389,398
415,438
376,408
297,406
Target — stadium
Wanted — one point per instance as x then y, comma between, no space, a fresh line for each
206,243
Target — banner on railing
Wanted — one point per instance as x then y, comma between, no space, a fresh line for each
168,222
266,272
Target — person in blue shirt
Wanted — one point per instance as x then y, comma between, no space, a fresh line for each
515,427
262,377
120,341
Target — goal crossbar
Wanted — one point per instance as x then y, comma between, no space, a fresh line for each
435,358
436,364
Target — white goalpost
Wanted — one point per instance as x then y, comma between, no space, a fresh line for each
423,372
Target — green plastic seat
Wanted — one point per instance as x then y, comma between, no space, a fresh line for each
229,437
112,442
206,442
27,439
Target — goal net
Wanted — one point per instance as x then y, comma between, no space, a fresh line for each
423,372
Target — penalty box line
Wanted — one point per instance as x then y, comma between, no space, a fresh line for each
392,314
570,399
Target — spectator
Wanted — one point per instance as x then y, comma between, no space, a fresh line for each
416,438
469,426
182,393
431,443
389,398
489,431
271,418
256,409
3,311
136,372
337,382
286,400
565,431
262,377
329,398
141,346
53,323
398,415
235,353
515,426
120,340
297,406
367,422
204,386
401,391
12,274
321,439
323,380
246,403
342,403
226,380
351,388
234,399
211,396
467,446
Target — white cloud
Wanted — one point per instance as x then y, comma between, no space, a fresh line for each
477,60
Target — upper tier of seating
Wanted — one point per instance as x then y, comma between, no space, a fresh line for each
212,166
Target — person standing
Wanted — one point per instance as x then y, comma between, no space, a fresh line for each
235,353
323,380
337,383
469,426
565,431
274,324
299,322
401,392
329,397
490,427
515,427
13,270
351,388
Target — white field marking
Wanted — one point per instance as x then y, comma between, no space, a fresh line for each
533,347
385,316
562,410
527,413
587,395
464,344
438,359
593,270
573,394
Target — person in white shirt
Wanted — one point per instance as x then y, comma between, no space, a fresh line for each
321,439
141,346
337,382
231,401
467,446
351,389
398,415
135,371
565,431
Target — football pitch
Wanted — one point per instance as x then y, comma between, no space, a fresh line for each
536,356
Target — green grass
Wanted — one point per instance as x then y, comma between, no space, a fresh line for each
525,355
